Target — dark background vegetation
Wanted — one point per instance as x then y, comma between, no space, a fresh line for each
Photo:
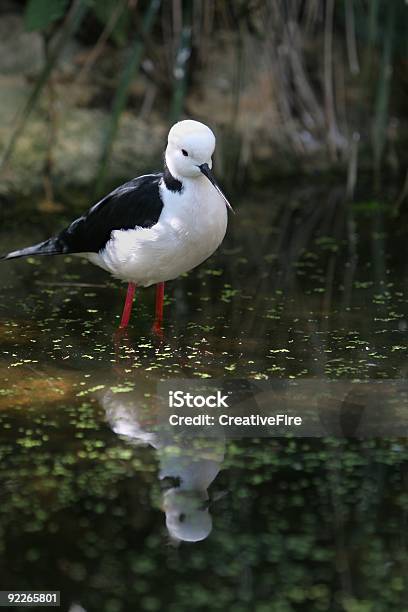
297,87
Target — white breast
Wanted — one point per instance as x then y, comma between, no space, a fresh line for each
192,225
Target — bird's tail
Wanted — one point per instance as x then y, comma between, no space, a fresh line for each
48,247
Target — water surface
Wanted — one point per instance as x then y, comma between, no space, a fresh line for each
97,504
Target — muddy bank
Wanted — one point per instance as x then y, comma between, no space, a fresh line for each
259,136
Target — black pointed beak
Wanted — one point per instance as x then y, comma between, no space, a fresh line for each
205,169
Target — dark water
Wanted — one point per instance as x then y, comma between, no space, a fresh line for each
96,504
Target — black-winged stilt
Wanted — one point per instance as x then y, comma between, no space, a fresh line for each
187,464
155,227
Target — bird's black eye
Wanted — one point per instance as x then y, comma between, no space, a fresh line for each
182,518
184,152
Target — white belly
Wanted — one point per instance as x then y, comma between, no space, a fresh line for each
191,227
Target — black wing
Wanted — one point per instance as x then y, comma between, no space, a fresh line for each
134,204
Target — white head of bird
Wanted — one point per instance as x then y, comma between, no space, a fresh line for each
190,145
189,152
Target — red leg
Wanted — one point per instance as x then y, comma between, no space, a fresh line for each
159,301
157,327
128,305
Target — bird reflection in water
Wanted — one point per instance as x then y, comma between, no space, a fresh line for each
188,465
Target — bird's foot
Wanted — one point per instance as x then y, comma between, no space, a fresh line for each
157,329
121,342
